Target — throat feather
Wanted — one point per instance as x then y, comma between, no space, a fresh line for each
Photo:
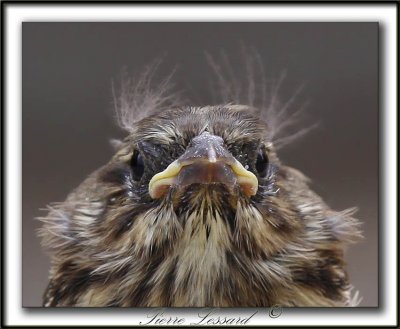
201,255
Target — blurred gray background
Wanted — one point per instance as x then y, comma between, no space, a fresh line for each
67,117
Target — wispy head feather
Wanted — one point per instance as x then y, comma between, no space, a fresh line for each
244,84
247,84
138,97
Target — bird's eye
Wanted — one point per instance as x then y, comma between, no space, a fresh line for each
137,165
262,163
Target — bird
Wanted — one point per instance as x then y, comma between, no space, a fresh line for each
195,209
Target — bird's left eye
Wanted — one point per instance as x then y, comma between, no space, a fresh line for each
137,165
262,163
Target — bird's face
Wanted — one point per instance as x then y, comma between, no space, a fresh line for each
195,209
211,166
183,154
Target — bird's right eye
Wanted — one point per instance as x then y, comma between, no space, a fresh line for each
137,165
262,163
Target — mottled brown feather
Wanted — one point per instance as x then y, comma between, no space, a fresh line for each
112,245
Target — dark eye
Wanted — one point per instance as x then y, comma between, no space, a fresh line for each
262,163
137,165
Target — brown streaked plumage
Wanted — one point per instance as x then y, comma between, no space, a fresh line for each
197,243
195,209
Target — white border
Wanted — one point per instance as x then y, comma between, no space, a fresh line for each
385,14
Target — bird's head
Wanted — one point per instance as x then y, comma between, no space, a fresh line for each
198,166
193,204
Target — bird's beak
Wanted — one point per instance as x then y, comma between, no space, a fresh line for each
205,161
